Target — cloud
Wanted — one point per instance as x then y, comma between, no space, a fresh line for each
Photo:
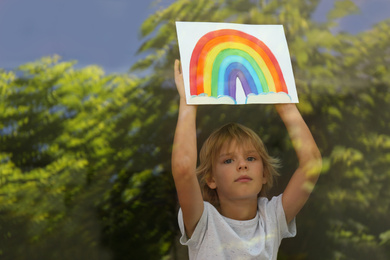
269,98
206,100
263,98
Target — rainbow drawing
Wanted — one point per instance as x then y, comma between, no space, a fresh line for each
223,55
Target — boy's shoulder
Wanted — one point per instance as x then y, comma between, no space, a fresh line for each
269,206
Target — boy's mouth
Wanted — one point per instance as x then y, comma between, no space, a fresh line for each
243,178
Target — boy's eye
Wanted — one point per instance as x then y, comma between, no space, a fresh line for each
250,159
228,161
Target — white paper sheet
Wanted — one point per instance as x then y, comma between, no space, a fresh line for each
226,63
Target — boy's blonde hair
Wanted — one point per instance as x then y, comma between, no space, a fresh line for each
212,147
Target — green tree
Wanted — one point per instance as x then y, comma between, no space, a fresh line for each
355,119
65,134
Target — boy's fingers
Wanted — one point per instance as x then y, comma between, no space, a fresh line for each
177,66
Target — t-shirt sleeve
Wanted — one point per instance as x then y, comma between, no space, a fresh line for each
275,212
288,229
199,231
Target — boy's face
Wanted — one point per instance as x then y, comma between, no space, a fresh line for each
238,172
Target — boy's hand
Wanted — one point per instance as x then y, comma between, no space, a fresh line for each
179,79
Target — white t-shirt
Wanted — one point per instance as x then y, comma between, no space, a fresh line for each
217,237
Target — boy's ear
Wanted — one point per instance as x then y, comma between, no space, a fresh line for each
211,182
265,177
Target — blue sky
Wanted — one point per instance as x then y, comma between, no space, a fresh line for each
105,32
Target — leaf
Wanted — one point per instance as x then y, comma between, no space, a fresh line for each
384,237
341,9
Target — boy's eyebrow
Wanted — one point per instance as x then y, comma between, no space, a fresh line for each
251,151
225,154
246,152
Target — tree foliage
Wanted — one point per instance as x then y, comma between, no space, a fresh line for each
85,157
69,138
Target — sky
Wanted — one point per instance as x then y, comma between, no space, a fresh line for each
106,32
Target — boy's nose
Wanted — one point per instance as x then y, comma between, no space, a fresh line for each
242,165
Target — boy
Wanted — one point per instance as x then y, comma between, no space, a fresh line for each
236,223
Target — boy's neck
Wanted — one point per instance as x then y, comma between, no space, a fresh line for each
239,209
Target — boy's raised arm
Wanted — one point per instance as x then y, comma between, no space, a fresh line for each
304,178
184,158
